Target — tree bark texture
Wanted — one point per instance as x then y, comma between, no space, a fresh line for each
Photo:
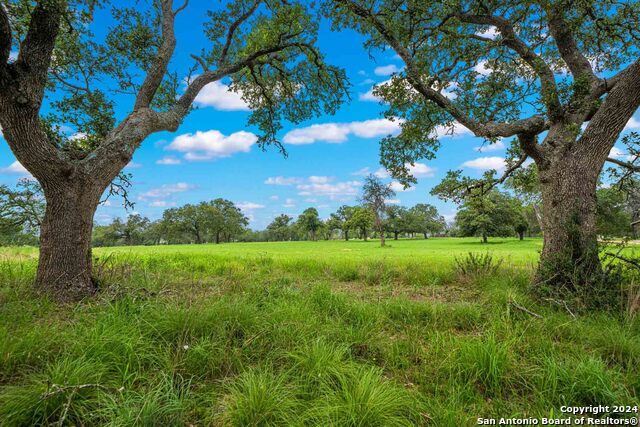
65,263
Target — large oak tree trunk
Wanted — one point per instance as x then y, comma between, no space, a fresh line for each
65,264
570,252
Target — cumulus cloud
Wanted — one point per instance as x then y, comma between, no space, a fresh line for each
498,145
420,170
289,203
249,206
212,144
485,163
319,179
336,133
166,190
399,188
489,32
362,172
218,95
161,204
168,160
15,167
274,197
617,153
386,70
369,96
281,180
326,187
481,68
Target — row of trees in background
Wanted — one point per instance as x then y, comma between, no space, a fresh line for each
215,221
487,214
353,222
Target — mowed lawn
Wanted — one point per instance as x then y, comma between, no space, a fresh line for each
326,333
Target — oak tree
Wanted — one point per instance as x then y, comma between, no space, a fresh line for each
65,74
559,76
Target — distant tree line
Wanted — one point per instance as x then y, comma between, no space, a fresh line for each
215,221
484,215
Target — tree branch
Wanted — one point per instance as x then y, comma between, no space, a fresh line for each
578,64
232,30
540,67
613,115
5,36
158,69
626,165
37,47
529,144
533,124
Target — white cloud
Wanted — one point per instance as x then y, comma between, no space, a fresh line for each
399,188
212,144
485,163
133,165
374,128
362,73
498,145
274,197
617,153
161,204
289,203
490,32
219,96
369,96
166,190
420,170
319,179
633,123
168,160
333,133
481,68
281,180
392,201
249,206
336,133
78,136
386,70
382,173
15,167
327,188
362,172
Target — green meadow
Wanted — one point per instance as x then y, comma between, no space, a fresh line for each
327,333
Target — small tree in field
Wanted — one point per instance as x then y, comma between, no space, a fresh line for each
490,214
64,75
310,222
425,219
362,220
375,195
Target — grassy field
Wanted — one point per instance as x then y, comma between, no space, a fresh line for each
305,333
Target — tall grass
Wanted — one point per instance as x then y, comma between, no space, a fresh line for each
190,337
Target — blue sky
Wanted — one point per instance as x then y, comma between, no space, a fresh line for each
213,155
